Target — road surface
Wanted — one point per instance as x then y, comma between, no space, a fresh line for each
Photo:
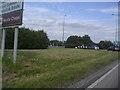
108,80
106,77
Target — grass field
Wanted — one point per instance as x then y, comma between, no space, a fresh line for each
52,68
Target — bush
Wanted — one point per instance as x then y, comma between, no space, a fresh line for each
74,41
28,39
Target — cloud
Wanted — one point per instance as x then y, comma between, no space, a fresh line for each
97,32
93,20
29,8
43,18
92,9
109,10
54,29
105,10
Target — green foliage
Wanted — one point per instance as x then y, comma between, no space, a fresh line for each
9,42
74,41
28,39
105,44
87,41
55,43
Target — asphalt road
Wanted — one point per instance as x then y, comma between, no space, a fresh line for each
108,80
106,77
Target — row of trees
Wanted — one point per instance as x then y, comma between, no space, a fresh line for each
30,39
74,41
105,44
27,39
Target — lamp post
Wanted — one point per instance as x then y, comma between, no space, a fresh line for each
116,28
63,28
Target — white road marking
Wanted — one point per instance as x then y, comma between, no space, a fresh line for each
99,80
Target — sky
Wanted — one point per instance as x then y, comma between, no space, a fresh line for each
82,18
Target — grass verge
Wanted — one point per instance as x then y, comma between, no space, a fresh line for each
52,68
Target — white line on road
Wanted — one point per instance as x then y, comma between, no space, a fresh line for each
99,80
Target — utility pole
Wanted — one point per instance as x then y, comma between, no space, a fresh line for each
116,34
63,28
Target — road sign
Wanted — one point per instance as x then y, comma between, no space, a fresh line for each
12,13
8,7
12,19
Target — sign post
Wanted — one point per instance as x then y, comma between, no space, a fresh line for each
15,44
12,13
3,43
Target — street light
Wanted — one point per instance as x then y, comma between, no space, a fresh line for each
63,28
116,27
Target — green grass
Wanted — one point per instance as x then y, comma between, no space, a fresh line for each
52,68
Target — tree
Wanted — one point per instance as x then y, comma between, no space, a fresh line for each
9,40
87,40
72,42
105,44
27,39
42,40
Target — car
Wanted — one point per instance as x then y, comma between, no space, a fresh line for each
117,48
83,47
114,48
111,48
93,47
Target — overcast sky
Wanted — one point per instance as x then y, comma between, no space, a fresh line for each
92,18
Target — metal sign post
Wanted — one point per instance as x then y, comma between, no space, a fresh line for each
3,43
15,45
12,14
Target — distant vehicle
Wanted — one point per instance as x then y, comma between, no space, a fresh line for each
117,48
76,47
114,48
93,47
111,48
83,47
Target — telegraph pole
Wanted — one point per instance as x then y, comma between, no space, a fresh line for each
116,34
63,28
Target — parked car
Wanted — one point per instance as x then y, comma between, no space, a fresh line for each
111,48
114,48
117,48
83,47
93,47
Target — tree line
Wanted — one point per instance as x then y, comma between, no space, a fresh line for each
74,41
27,39
31,39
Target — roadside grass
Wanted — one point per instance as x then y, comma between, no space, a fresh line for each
52,68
